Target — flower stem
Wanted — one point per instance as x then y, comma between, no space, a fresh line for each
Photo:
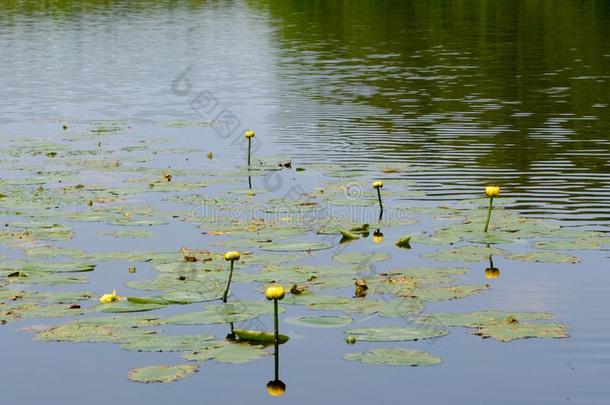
224,295
249,149
379,197
491,199
276,322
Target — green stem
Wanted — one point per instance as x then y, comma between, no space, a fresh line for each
276,322
224,295
249,149
379,197
491,199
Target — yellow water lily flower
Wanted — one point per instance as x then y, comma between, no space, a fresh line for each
108,298
378,184
249,133
492,191
232,255
276,388
274,292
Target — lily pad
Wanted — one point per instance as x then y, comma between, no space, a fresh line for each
479,318
507,331
161,343
127,306
394,357
296,247
320,321
225,352
360,258
162,373
395,333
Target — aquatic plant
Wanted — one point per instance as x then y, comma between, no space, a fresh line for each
108,298
378,185
231,257
249,134
491,192
275,293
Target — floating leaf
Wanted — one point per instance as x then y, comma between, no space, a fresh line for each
507,331
162,373
160,343
360,258
394,357
127,306
224,352
296,247
544,257
47,267
320,321
479,318
395,333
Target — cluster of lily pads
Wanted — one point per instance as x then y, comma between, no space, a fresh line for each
52,188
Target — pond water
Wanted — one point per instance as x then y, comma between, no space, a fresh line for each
456,94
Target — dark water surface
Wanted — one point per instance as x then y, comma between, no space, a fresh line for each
467,92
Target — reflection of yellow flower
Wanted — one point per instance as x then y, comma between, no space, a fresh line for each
377,237
232,255
492,191
108,298
492,272
276,388
274,292
249,133
378,184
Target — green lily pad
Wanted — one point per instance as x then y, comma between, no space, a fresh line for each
115,330
505,331
320,321
47,267
395,333
224,352
360,258
467,254
190,297
127,306
162,373
394,357
296,247
160,343
544,257
479,318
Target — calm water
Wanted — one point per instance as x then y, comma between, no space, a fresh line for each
467,92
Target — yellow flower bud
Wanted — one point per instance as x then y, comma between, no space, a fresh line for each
232,255
492,191
249,133
276,388
108,298
378,184
274,292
